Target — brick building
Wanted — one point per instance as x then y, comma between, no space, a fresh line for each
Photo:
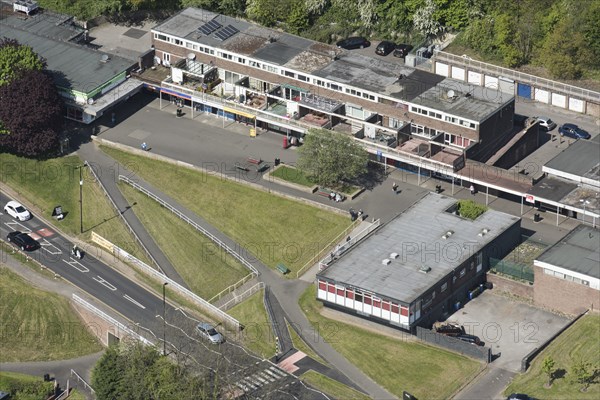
419,266
567,275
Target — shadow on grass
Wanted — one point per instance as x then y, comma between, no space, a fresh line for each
111,218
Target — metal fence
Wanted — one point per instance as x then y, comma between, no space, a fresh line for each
519,271
85,384
238,299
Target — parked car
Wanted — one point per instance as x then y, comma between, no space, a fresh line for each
17,211
573,131
402,50
384,48
209,332
469,339
546,123
449,328
355,42
518,396
23,241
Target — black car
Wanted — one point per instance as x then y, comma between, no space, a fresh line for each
469,339
402,50
572,130
23,241
355,42
384,48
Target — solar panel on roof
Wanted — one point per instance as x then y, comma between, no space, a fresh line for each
226,32
210,27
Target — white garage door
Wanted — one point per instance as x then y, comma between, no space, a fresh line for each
576,105
507,85
474,78
541,96
491,82
458,73
441,69
559,100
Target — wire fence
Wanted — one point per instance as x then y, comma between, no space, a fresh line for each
519,271
241,297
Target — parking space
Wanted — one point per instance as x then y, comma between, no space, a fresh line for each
512,329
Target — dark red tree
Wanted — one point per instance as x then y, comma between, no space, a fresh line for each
32,112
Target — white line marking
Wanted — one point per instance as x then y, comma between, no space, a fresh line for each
104,282
77,265
47,245
133,301
14,223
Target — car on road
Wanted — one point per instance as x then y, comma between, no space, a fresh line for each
546,123
402,50
209,332
518,396
573,131
17,211
355,42
384,48
23,241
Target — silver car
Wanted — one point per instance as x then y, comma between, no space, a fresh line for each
546,123
209,332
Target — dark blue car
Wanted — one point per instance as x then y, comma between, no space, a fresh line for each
573,131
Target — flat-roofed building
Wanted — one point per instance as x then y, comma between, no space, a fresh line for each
419,266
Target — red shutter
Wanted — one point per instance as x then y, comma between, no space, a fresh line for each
322,285
340,292
395,308
377,303
367,299
331,288
404,311
349,294
386,305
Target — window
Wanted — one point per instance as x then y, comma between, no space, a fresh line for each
358,296
385,305
404,311
167,57
303,78
376,302
330,288
322,285
241,60
444,287
462,272
177,42
341,292
254,64
319,82
395,308
333,86
451,119
367,299
368,96
161,37
189,45
349,294
289,73
394,123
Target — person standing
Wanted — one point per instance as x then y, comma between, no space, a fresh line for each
472,189
395,187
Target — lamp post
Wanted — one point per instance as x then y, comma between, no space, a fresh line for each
585,203
80,168
164,321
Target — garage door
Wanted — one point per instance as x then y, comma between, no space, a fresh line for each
491,82
507,85
576,105
559,100
441,69
541,96
458,73
524,90
474,78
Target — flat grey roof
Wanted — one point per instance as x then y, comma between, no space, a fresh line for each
72,67
46,24
578,251
416,236
582,158
552,189
364,72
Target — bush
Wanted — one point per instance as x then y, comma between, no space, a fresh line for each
470,209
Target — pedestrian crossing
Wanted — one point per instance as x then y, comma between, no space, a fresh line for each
265,377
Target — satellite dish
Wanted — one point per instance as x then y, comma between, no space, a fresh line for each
451,93
104,58
191,56
90,101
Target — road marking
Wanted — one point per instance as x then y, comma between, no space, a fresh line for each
133,301
104,282
14,223
49,247
77,265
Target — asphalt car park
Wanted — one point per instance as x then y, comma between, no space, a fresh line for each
510,328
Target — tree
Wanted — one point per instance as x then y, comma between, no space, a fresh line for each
108,374
16,59
331,158
31,112
548,368
583,373
425,19
298,18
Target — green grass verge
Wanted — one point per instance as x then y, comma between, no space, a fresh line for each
300,344
332,387
425,371
24,387
293,175
257,334
39,326
201,264
49,183
580,341
272,228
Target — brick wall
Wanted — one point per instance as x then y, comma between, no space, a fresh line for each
561,295
511,286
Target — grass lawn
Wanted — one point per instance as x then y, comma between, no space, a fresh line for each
272,228
24,387
39,326
46,184
205,268
300,344
257,334
332,387
580,341
293,175
424,371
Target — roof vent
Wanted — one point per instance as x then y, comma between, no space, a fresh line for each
485,230
386,261
105,58
393,256
424,269
447,234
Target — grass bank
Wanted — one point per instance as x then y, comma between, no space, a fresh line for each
271,228
332,387
39,326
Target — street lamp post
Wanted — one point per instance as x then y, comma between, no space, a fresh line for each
585,203
80,168
164,321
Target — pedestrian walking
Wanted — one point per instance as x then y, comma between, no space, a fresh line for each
472,189
144,146
395,187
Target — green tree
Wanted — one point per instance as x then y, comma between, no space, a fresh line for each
567,51
16,59
298,18
331,158
108,374
583,373
548,368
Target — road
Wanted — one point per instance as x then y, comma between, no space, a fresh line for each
229,361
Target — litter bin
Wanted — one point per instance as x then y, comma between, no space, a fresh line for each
277,161
285,142
179,112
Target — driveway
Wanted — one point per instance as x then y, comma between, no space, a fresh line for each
512,329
